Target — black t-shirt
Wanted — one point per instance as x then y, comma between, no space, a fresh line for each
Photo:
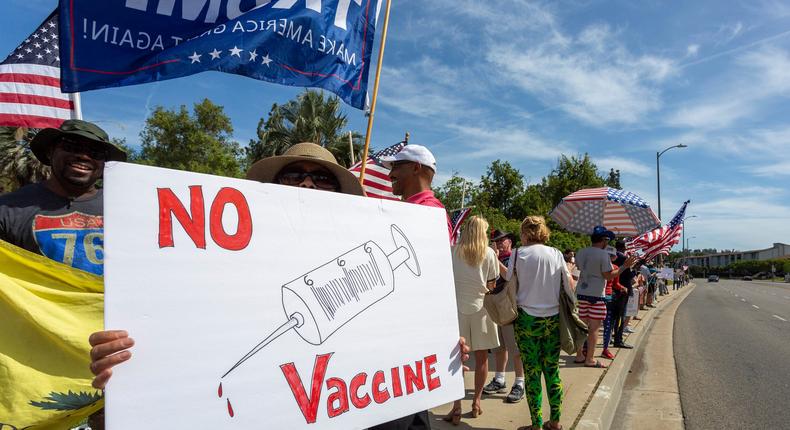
65,230
626,276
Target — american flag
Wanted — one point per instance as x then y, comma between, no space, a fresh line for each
662,239
30,82
377,180
457,217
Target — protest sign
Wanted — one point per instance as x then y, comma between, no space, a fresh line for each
317,43
264,306
666,273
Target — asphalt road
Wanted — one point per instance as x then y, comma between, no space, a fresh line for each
732,351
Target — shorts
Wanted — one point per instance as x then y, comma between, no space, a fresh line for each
592,311
479,330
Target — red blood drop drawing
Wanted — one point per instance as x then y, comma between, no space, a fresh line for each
230,409
219,391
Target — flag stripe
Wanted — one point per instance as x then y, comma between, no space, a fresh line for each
32,69
36,100
30,79
35,110
33,90
30,121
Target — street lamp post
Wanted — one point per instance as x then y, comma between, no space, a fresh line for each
658,173
683,240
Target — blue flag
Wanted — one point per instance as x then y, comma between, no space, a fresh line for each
307,43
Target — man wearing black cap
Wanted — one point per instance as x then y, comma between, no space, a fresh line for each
508,349
61,217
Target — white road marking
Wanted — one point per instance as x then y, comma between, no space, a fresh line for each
755,306
743,300
780,318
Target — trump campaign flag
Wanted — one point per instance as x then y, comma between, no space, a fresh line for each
311,43
30,82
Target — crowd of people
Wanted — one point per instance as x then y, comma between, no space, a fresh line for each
611,287
604,278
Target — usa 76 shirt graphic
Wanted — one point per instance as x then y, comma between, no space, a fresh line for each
75,239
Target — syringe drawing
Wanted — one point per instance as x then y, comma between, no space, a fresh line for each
328,297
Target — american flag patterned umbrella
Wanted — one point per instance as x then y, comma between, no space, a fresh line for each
622,212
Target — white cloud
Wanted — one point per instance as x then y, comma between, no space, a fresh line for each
692,50
592,77
508,143
760,76
775,169
624,165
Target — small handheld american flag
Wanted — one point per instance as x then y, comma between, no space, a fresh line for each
457,217
30,82
377,182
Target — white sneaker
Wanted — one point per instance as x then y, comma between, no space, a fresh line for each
629,330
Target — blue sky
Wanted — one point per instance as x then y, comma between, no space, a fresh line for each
521,81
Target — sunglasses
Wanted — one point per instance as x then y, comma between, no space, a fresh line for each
325,181
97,152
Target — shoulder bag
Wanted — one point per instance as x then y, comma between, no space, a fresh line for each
502,307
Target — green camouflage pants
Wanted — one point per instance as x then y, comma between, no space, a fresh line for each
539,342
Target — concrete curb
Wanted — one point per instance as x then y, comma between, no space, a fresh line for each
600,410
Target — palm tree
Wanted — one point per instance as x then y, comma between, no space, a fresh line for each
308,118
18,165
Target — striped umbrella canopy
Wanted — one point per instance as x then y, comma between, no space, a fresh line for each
622,212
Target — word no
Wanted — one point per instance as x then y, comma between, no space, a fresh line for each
194,220
191,9
344,393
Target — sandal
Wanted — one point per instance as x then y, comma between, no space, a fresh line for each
476,411
597,365
546,426
454,416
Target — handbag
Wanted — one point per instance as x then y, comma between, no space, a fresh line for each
502,307
573,331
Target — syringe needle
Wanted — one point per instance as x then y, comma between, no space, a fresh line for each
291,323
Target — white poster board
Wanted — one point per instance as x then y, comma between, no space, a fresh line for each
666,273
202,269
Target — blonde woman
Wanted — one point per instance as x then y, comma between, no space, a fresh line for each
540,270
475,269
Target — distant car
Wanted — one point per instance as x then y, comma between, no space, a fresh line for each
747,278
761,275
787,277
713,278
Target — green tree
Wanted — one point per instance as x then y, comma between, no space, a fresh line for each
502,188
451,192
200,142
571,174
18,165
309,118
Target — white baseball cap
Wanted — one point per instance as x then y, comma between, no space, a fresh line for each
611,250
414,153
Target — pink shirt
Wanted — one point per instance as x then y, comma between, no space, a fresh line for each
426,198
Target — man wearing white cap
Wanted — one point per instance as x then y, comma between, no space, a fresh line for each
412,171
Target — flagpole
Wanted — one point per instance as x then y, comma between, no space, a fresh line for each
375,92
77,106
351,147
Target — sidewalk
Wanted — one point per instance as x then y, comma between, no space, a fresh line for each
586,401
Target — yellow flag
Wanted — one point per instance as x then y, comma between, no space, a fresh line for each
47,312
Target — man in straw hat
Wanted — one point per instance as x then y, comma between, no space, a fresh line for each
37,216
304,165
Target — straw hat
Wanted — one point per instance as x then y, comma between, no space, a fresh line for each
266,170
